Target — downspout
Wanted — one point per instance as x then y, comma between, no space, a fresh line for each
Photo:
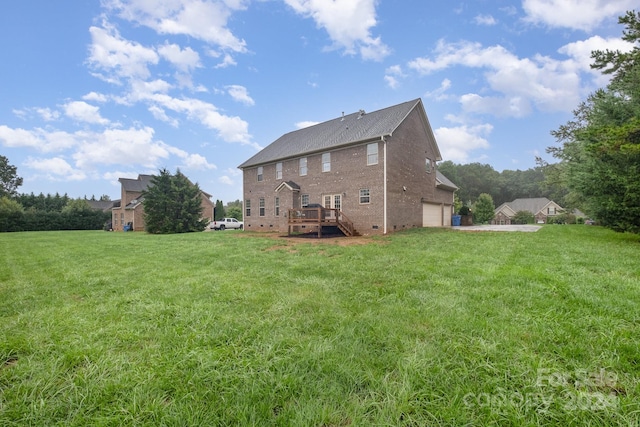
384,186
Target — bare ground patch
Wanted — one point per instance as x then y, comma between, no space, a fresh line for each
282,241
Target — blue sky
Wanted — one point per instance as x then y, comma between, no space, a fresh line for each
92,91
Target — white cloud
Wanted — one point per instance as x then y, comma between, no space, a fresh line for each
47,114
204,20
580,52
392,75
440,93
224,179
83,112
38,139
230,129
391,81
240,94
348,23
519,83
487,20
119,58
305,124
456,143
514,106
161,114
574,14
95,97
121,147
55,168
227,61
198,162
183,59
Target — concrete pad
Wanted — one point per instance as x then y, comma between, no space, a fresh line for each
526,228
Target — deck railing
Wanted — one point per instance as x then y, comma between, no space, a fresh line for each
321,217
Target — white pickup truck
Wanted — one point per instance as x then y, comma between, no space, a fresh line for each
225,223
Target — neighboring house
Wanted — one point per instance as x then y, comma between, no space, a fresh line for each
130,207
103,205
378,169
540,207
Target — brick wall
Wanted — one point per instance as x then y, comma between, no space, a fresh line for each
408,183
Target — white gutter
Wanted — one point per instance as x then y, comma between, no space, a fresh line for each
384,186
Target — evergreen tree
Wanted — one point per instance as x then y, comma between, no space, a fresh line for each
600,152
483,209
220,212
172,204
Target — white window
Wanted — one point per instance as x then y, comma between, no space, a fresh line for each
365,196
247,207
304,200
303,166
551,210
326,162
279,170
372,154
261,203
429,165
260,173
277,205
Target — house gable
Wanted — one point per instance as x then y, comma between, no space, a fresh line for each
539,207
355,128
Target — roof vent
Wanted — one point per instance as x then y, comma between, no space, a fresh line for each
361,113
342,119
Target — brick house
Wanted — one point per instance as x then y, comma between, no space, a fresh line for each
130,207
377,168
540,207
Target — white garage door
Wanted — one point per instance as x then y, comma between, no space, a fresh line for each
446,215
431,215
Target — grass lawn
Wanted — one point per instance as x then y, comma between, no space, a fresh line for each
426,327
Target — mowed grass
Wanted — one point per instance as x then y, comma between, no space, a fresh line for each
422,328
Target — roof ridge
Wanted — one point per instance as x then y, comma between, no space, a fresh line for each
336,132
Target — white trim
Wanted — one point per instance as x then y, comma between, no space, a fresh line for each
384,187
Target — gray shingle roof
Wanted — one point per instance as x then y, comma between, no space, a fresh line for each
533,205
139,184
443,181
349,129
142,183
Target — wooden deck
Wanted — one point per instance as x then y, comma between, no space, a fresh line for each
320,217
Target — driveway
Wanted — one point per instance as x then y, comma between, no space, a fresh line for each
526,228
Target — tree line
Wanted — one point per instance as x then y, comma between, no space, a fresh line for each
75,214
474,179
28,212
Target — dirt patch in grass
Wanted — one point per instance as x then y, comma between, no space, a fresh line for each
9,362
312,238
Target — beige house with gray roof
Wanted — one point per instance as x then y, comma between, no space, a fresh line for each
378,169
541,208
